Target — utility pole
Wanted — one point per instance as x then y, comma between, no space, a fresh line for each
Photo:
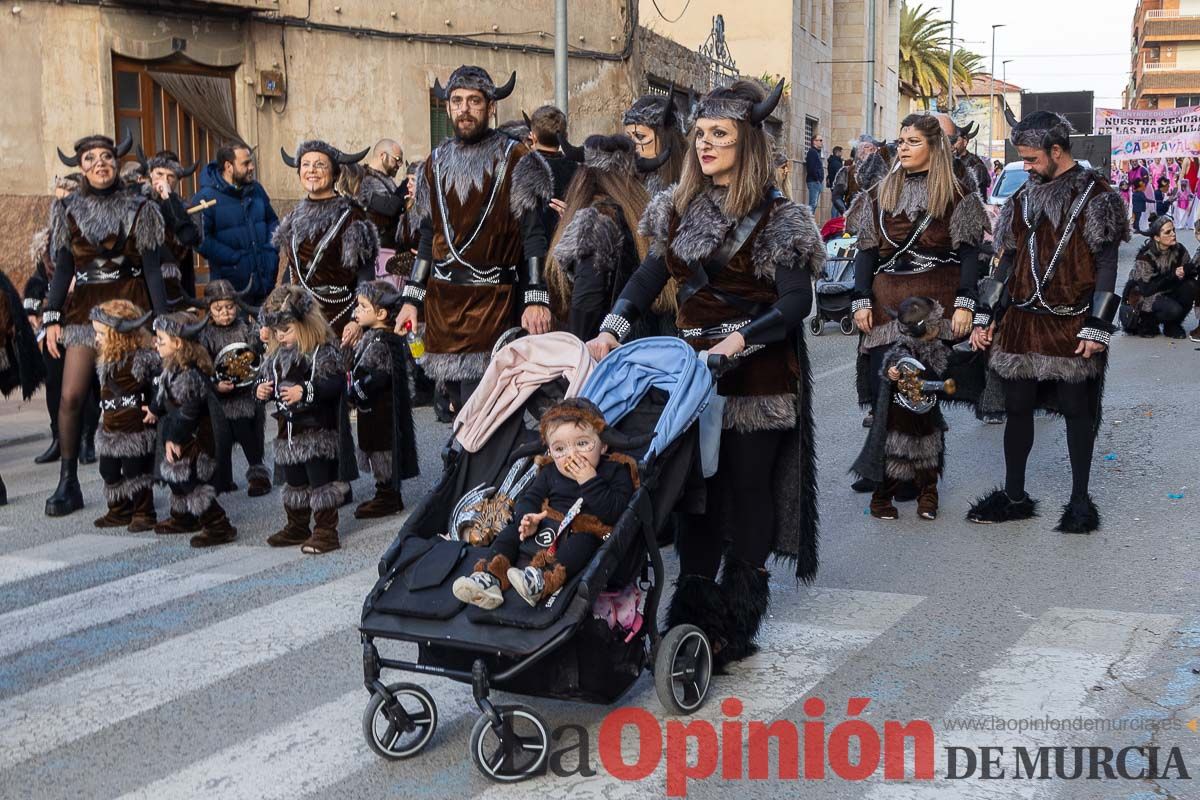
992,92
560,54
950,74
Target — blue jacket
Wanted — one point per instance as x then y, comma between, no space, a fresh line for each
813,168
237,233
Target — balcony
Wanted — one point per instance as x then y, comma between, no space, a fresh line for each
1168,26
1181,81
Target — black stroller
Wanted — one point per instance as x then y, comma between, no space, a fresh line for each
832,291
651,391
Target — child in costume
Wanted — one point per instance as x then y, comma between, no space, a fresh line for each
21,365
126,365
569,509
303,381
377,386
907,439
232,341
189,432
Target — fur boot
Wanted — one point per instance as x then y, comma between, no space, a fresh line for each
217,529
881,500
259,481
747,593
927,494
1079,515
144,518
699,601
997,506
120,509
324,537
178,522
386,501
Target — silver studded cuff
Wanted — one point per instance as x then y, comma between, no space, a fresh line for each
413,292
1095,335
617,325
860,304
51,317
964,302
309,393
982,319
31,305
539,297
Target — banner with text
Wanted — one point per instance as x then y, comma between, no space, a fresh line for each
1145,133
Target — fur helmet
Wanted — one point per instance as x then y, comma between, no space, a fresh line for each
471,77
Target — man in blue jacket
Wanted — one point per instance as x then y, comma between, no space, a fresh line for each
238,229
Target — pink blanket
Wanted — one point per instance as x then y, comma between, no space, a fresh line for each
513,375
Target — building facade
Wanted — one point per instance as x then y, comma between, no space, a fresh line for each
1165,55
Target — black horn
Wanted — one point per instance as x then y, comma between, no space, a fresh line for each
528,122
668,114
762,109
438,91
645,165
287,158
70,161
572,152
130,325
185,300
353,158
187,173
504,91
141,159
192,330
125,145
1009,116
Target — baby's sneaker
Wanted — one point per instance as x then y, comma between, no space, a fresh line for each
529,583
479,589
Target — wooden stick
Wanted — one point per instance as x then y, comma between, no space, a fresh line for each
203,204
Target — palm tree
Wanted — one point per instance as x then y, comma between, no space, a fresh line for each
925,55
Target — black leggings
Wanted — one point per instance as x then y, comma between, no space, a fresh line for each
740,507
1074,403
313,473
113,469
574,550
874,377
249,437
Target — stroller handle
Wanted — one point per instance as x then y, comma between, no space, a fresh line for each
719,365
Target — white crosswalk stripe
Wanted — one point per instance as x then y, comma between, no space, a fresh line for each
68,552
1048,674
64,615
62,712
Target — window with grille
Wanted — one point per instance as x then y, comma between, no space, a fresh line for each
810,130
439,122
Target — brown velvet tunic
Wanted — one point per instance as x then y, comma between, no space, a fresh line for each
770,371
469,319
1023,332
123,380
131,285
334,279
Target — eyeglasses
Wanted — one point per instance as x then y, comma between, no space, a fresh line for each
585,445
474,101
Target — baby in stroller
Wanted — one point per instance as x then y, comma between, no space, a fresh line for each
570,507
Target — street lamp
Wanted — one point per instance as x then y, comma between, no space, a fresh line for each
950,74
992,92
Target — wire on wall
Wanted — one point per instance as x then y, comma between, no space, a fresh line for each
664,16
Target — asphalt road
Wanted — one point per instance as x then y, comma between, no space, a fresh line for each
131,664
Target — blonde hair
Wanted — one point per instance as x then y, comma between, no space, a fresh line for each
189,354
754,170
944,187
114,345
312,330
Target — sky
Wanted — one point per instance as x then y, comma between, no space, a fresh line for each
1055,45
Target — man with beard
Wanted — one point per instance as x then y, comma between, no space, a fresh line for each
866,167
381,196
478,271
182,230
1059,235
238,229
959,142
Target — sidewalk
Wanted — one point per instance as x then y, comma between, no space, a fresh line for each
23,421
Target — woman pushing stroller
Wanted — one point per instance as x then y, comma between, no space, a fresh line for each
743,256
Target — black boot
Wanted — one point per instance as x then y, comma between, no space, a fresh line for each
51,453
3,493
698,601
68,497
1079,515
747,593
997,506
87,447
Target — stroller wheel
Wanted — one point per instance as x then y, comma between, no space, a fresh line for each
847,325
513,750
816,325
400,725
683,667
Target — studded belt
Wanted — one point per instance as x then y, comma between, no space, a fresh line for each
714,332
476,276
121,403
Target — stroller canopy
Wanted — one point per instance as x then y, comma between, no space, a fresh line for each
513,375
622,379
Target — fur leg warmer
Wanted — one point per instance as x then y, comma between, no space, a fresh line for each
747,593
